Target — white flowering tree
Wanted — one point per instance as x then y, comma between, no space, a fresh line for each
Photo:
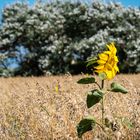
56,37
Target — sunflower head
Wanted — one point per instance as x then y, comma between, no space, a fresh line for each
107,62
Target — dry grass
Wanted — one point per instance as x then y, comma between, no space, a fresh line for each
31,109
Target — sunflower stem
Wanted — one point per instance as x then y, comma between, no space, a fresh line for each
102,103
98,85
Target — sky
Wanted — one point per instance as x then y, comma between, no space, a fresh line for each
3,3
135,3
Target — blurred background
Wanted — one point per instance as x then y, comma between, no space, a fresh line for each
41,37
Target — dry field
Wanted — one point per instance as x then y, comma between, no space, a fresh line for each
33,109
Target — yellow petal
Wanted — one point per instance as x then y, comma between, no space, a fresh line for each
109,47
116,68
112,48
99,71
103,56
109,74
107,52
108,66
113,73
99,67
100,61
116,59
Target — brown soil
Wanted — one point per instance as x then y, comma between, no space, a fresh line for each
49,108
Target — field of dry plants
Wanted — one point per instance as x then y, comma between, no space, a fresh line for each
49,108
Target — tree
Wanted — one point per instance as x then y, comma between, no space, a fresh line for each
57,37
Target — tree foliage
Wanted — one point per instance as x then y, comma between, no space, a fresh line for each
57,37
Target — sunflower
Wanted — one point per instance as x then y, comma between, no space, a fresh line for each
107,62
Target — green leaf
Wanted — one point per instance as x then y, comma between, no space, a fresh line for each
102,76
94,97
91,61
87,80
115,87
85,125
